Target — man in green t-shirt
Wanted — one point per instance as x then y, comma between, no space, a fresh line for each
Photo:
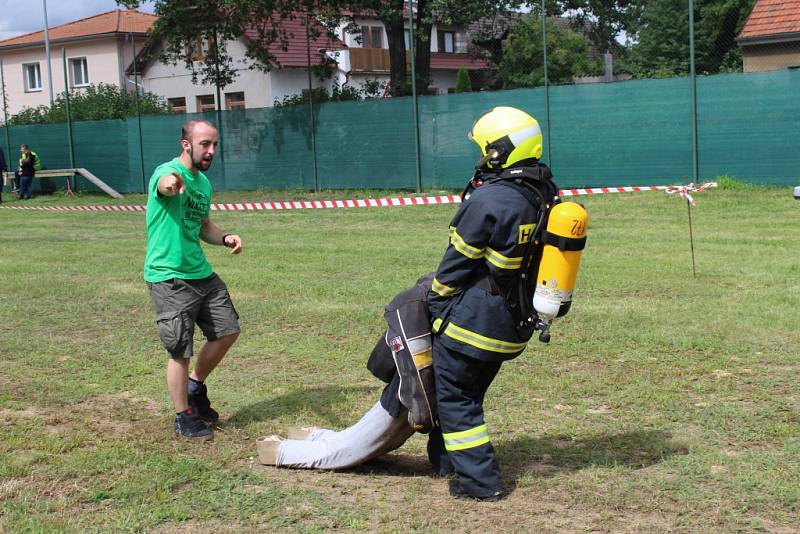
184,289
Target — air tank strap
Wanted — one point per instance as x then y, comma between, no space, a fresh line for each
564,243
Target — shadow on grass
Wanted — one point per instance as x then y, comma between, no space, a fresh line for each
548,456
323,401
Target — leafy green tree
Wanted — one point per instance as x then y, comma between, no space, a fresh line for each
602,20
338,93
718,24
463,83
663,43
567,55
662,49
95,102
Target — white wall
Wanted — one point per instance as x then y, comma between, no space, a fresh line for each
289,82
443,79
173,81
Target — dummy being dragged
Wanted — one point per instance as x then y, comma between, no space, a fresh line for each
402,359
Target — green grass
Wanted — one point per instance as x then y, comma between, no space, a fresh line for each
665,401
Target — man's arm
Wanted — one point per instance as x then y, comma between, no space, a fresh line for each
212,234
468,240
170,185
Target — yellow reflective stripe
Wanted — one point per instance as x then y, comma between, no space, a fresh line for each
423,359
463,247
441,289
504,262
482,342
466,439
437,324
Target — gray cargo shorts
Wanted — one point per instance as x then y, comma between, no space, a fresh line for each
180,304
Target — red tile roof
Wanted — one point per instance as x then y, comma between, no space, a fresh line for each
117,21
295,54
771,19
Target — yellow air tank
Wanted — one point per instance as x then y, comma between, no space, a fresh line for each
561,256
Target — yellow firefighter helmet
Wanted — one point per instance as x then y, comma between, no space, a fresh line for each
506,136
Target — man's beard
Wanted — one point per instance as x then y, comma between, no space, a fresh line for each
199,163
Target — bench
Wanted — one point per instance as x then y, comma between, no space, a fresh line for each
8,178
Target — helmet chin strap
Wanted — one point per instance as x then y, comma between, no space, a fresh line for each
477,179
490,155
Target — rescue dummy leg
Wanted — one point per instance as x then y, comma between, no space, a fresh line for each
268,449
301,432
374,435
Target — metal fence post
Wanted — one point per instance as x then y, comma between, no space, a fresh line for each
5,113
418,167
311,122
138,110
693,83
546,86
69,119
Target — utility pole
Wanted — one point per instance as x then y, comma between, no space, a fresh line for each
47,53
414,92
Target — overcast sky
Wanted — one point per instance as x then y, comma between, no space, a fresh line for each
24,16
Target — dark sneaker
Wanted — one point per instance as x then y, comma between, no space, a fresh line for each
198,400
189,424
459,493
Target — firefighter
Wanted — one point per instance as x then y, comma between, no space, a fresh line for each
480,293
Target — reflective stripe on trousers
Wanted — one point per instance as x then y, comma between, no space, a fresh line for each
461,384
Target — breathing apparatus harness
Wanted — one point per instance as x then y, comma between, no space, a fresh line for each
534,181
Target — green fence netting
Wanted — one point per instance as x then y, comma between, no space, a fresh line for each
623,133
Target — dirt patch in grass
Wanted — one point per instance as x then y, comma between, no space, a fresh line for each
197,527
111,414
403,493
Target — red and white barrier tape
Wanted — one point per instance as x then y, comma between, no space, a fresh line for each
685,190
366,203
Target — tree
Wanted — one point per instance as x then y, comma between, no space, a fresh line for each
720,21
463,83
663,43
567,55
662,49
95,102
602,20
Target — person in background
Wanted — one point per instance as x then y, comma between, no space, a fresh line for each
3,168
26,172
184,289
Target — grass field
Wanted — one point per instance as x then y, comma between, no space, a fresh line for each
664,403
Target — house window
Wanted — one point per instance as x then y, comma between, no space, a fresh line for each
234,100
205,103
446,42
177,105
407,39
33,77
200,48
371,37
78,72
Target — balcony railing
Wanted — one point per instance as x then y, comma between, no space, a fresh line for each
372,59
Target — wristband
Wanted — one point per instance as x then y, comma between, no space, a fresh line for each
223,240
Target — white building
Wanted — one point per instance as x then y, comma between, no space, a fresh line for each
354,63
98,49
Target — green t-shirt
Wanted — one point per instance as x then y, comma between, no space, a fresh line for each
173,226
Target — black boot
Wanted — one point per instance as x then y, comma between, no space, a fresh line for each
459,493
189,424
198,400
